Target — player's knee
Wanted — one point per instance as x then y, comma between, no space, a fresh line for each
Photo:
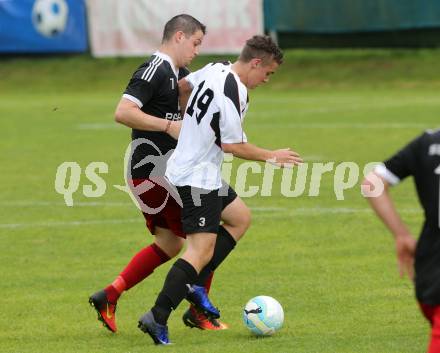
171,248
175,249
244,221
247,218
240,221
199,256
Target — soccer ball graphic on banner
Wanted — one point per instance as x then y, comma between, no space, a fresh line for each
50,16
263,315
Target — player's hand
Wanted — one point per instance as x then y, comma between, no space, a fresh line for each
405,250
174,129
286,158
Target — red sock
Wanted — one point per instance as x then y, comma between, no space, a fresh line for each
115,289
208,282
140,267
434,345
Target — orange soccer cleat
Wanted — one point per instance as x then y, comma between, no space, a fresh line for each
105,309
196,318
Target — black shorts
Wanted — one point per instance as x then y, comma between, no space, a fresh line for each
202,209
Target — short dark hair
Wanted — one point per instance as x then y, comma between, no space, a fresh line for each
185,23
262,47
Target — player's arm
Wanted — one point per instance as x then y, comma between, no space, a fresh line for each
186,85
129,114
382,204
185,89
249,151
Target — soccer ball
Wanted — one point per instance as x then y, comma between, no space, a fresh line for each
50,16
263,315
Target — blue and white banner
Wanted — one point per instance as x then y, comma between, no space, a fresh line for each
42,26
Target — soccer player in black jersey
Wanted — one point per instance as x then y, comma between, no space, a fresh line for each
150,107
421,160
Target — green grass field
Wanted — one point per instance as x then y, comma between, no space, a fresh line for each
330,263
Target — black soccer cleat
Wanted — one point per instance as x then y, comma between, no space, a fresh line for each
158,332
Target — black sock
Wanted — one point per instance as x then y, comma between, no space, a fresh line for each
224,244
174,290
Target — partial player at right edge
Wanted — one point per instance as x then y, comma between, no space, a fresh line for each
420,159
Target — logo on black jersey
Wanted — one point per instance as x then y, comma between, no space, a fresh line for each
173,116
434,150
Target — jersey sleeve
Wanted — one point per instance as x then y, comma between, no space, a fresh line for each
402,164
195,77
231,130
144,83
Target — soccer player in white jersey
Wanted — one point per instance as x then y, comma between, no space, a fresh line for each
212,125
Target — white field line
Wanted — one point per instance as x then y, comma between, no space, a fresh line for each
276,124
61,203
348,101
316,107
264,212
99,204
331,210
67,224
99,126
336,125
316,211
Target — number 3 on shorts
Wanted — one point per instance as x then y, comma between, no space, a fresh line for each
202,221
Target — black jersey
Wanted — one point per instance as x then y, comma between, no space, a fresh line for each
421,159
153,87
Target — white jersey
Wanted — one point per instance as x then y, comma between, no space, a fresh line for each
214,115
